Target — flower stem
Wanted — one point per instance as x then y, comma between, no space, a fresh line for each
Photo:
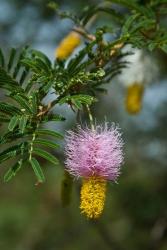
90,117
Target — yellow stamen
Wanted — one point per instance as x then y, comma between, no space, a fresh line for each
93,194
67,45
134,97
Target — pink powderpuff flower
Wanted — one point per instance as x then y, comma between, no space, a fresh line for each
95,152
95,155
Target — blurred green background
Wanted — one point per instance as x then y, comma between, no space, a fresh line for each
135,216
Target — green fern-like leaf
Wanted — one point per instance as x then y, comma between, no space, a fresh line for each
37,170
13,171
44,154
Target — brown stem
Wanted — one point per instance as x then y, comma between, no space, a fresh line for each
84,33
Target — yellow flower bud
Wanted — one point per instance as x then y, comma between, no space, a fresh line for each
67,45
133,101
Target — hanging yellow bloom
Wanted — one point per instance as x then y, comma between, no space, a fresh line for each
67,45
93,194
133,101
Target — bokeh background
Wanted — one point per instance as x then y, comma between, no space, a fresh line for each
135,215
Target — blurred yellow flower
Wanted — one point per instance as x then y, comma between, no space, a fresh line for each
133,101
67,45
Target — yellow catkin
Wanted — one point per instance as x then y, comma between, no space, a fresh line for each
93,192
67,45
134,97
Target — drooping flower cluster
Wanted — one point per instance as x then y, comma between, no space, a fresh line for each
96,156
141,70
67,45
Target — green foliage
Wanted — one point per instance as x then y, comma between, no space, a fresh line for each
46,143
24,110
13,122
37,170
27,76
13,170
44,154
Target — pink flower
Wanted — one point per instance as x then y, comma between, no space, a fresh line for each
95,152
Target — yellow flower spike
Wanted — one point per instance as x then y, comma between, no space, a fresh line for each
93,192
67,45
134,97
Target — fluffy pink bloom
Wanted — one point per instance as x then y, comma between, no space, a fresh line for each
94,152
